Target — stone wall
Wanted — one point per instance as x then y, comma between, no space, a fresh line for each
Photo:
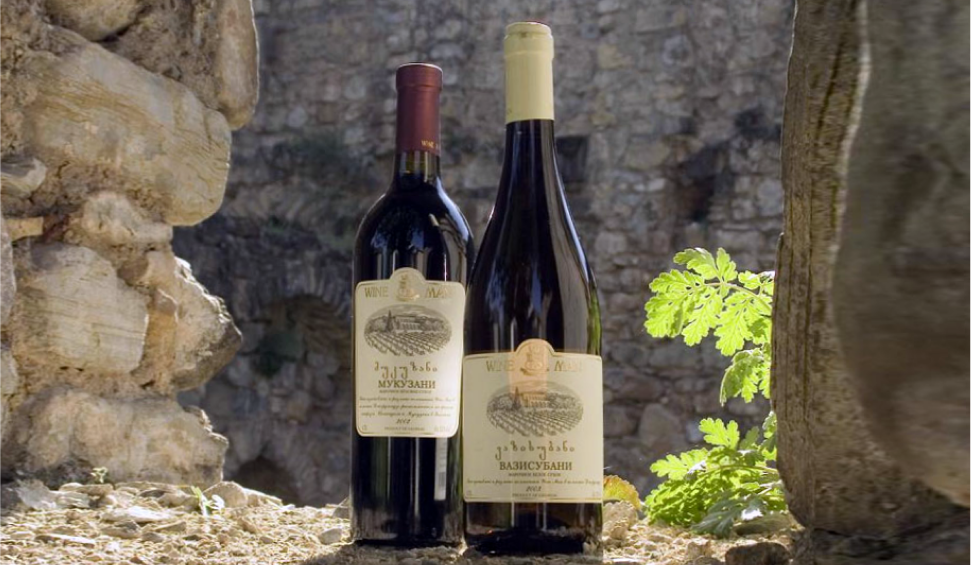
117,119
668,127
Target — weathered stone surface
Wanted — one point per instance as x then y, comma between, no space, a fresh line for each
18,228
96,19
660,430
9,383
109,219
758,553
901,280
232,494
837,479
135,439
8,283
191,336
154,137
72,311
21,177
236,61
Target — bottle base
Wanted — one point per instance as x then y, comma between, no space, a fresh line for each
533,542
407,542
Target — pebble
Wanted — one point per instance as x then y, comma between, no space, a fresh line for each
698,548
52,537
137,514
331,536
20,535
152,536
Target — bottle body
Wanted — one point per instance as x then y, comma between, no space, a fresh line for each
532,375
412,259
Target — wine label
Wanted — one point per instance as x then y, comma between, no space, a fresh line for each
532,426
408,355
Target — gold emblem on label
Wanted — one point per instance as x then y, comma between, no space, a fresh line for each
405,291
537,356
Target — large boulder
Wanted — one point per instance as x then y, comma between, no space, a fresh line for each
901,280
150,438
155,139
73,312
856,502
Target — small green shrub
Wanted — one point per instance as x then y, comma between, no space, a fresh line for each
733,478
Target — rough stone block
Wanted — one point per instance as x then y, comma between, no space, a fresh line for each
150,439
9,383
236,61
94,19
109,219
8,284
73,311
18,228
152,134
191,335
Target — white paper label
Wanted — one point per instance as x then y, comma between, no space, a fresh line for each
532,426
408,355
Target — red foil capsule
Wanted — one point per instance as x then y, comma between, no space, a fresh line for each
418,86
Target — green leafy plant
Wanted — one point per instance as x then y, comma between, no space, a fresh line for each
207,505
733,478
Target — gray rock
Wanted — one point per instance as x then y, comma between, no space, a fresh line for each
137,514
900,281
660,430
332,535
232,494
21,177
758,553
618,421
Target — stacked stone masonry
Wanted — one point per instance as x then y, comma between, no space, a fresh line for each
668,125
117,119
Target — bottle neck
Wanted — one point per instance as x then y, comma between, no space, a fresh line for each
530,179
417,144
416,166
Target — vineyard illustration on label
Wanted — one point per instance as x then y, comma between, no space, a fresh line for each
535,408
531,405
407,330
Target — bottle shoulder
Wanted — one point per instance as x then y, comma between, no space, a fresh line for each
414,212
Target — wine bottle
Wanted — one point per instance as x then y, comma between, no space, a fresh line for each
532,428
412,259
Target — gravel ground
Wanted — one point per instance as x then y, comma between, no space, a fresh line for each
148,523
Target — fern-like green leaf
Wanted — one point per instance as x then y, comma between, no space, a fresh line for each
744,378
717,433
676,467
725,265
698,260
